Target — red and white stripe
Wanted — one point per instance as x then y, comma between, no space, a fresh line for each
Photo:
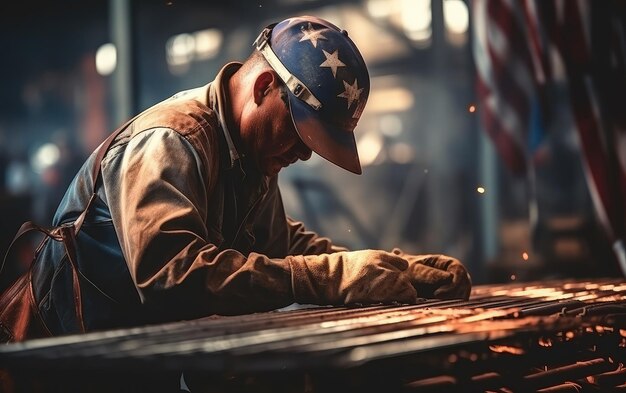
515,43
598,122
505,82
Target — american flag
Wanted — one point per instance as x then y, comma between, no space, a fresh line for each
505,84
519,48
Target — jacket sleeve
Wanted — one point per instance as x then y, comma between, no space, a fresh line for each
158,202
305,242
278,234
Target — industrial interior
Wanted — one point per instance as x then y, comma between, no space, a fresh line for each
494,132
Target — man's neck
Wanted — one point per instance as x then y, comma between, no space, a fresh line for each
232,89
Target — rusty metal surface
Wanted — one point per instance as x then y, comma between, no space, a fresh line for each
559,335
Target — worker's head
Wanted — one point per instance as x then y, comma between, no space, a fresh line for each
310,85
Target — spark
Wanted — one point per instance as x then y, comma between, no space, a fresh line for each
506,349
545,342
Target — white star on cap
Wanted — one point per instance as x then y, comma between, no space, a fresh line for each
351,92
312,35
332,61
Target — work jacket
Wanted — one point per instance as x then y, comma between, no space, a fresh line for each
184,225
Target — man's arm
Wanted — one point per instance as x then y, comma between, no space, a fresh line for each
158,202
306,242
279,234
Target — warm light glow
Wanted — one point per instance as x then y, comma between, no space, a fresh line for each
472,109
480,190
602,329
513,277
506,349
369,147
106,59
46,156
394,99
180,49
456,21
379,8
545,342
525,256
391,125
456,16
208,43
416,14
402,153
416,19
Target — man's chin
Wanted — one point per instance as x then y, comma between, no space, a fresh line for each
272,169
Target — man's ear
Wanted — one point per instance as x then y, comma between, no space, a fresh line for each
262,85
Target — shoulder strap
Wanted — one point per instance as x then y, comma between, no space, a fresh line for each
66,233
54,233
95,172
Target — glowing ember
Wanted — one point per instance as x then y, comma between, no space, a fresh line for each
622,332
545,342
525,256
506,349
569,335
472,109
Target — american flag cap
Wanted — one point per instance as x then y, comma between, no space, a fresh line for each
328,83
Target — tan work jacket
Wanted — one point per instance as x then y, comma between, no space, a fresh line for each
185,225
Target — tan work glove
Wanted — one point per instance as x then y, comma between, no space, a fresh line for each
437,276
348,277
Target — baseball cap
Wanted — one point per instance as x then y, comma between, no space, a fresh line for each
327,80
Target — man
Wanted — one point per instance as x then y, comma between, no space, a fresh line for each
188,219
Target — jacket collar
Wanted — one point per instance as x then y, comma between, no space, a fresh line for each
217,101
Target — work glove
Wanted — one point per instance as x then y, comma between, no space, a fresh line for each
437,276
349,277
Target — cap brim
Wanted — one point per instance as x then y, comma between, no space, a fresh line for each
329,141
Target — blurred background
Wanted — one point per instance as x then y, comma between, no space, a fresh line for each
495,131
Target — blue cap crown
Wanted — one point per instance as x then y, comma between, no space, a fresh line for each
328,83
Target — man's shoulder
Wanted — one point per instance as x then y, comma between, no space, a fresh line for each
186,113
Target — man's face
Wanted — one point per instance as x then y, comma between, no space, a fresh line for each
274,142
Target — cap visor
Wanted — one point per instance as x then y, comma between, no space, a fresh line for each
329,141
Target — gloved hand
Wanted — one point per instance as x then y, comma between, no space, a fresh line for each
365,276
437,276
